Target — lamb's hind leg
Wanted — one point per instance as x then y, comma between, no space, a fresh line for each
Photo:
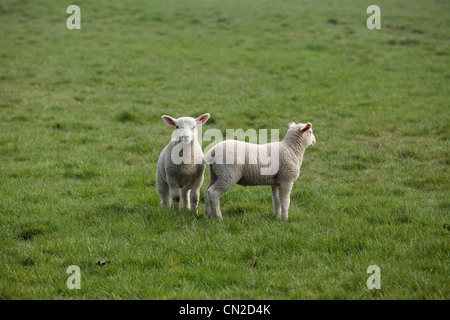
214,193
209,212
208,204
276,201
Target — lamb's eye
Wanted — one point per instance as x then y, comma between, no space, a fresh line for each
176,127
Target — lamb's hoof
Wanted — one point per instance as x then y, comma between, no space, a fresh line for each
164,206
194,209
214,216
280,217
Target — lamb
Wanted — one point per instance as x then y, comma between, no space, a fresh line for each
224,175
180,166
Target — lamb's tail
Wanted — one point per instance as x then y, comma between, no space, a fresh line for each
209,156
212,175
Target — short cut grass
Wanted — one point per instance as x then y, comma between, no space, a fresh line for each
81,131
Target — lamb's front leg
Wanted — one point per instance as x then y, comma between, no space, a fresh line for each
276,201
285,198
185,198
163,190
175,193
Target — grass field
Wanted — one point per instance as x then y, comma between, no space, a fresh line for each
80,134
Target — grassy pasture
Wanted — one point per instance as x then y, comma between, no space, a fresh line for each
80,134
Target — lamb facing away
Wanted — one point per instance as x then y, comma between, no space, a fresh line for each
180,167
225,174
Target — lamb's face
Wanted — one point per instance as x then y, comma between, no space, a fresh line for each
306,132
185,127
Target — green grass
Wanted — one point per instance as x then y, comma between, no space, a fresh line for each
80,134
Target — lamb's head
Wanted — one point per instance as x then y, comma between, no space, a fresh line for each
185,127
303,132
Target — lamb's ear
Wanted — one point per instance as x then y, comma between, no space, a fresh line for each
291,124
202,119
169,120
306,127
